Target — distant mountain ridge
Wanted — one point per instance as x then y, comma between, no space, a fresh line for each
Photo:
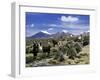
59,34
42,34
47,35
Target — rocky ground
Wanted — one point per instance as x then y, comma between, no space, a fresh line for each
82,59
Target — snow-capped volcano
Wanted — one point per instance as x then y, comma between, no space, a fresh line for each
45,32
41,34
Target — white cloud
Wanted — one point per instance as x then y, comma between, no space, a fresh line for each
32,25
45,32
65,31
69,19
75,26
50,29
53,25
88,31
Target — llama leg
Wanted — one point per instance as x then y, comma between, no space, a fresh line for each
35,55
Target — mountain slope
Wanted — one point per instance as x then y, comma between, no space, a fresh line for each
40,35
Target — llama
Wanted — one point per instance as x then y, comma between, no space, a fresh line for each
35,49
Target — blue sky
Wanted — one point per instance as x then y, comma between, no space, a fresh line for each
51,23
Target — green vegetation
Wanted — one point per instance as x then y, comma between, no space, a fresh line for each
67,51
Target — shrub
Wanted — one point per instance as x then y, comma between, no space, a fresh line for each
61,56
63,49
55,53
53,62
78,47
29,50
29,59
85,40
76,39
42,55
73,48
71,52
